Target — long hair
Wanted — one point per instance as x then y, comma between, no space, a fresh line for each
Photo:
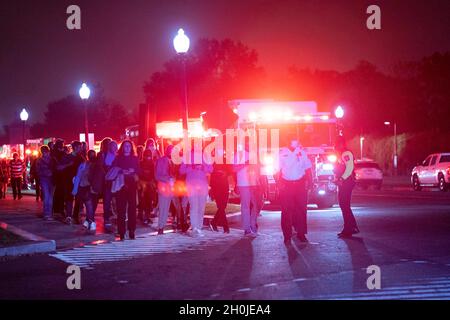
104,144
133,149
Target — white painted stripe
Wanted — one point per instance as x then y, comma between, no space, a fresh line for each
144,245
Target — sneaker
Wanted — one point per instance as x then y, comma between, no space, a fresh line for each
197,233
86,224
92,226
160,231
226,230
68,220
249,233
48,219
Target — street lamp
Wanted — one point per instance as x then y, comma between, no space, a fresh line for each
85,92
361,144
388,123
339,114
181,44
24,117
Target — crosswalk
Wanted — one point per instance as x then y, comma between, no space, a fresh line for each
145,245
437,288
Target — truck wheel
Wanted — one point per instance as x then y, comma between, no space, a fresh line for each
442,185
416,184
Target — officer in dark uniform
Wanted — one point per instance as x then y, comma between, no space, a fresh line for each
345,178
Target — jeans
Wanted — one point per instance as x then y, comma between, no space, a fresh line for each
68,198
294,200
126,206
345,198
85,197
47,190
251,199
16,184
164,201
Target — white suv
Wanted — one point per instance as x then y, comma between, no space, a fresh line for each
433,172
368,173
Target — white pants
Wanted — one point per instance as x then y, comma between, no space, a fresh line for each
164,201
197,210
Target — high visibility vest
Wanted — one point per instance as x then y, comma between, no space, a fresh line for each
348,160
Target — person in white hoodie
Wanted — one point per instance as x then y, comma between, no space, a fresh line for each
197,191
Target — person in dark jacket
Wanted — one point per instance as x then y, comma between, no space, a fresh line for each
34,177
45,168
220,190
57,153
128,162
4,178
68,166
148,186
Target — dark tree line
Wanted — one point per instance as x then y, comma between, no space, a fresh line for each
415,95
64,118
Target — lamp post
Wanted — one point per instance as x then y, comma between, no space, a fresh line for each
24,117
181,44
85,92
395,160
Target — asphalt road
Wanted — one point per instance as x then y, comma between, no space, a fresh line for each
406,234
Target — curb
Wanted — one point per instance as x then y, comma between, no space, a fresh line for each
38,244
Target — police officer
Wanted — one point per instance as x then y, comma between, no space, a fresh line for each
294,177
345,178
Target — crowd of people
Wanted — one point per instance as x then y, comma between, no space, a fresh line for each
140,183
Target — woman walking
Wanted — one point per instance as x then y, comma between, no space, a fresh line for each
197,192
128,163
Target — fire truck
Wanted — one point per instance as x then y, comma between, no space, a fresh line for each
315,131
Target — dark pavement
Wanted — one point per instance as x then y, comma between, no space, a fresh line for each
405,233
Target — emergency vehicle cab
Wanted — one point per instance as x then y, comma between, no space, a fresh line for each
315,131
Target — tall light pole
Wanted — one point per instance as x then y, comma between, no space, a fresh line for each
388,123
85,92
24,117
181,44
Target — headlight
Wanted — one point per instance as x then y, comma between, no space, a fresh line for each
332,158
322,192
328,167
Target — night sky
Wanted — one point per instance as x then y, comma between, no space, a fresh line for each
122,43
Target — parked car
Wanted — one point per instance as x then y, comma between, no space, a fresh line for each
368,173
433,172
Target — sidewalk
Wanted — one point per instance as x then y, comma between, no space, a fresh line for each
23,214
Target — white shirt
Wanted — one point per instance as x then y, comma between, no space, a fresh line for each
293,164
247,175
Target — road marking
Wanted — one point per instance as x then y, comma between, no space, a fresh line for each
149,244
430,288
